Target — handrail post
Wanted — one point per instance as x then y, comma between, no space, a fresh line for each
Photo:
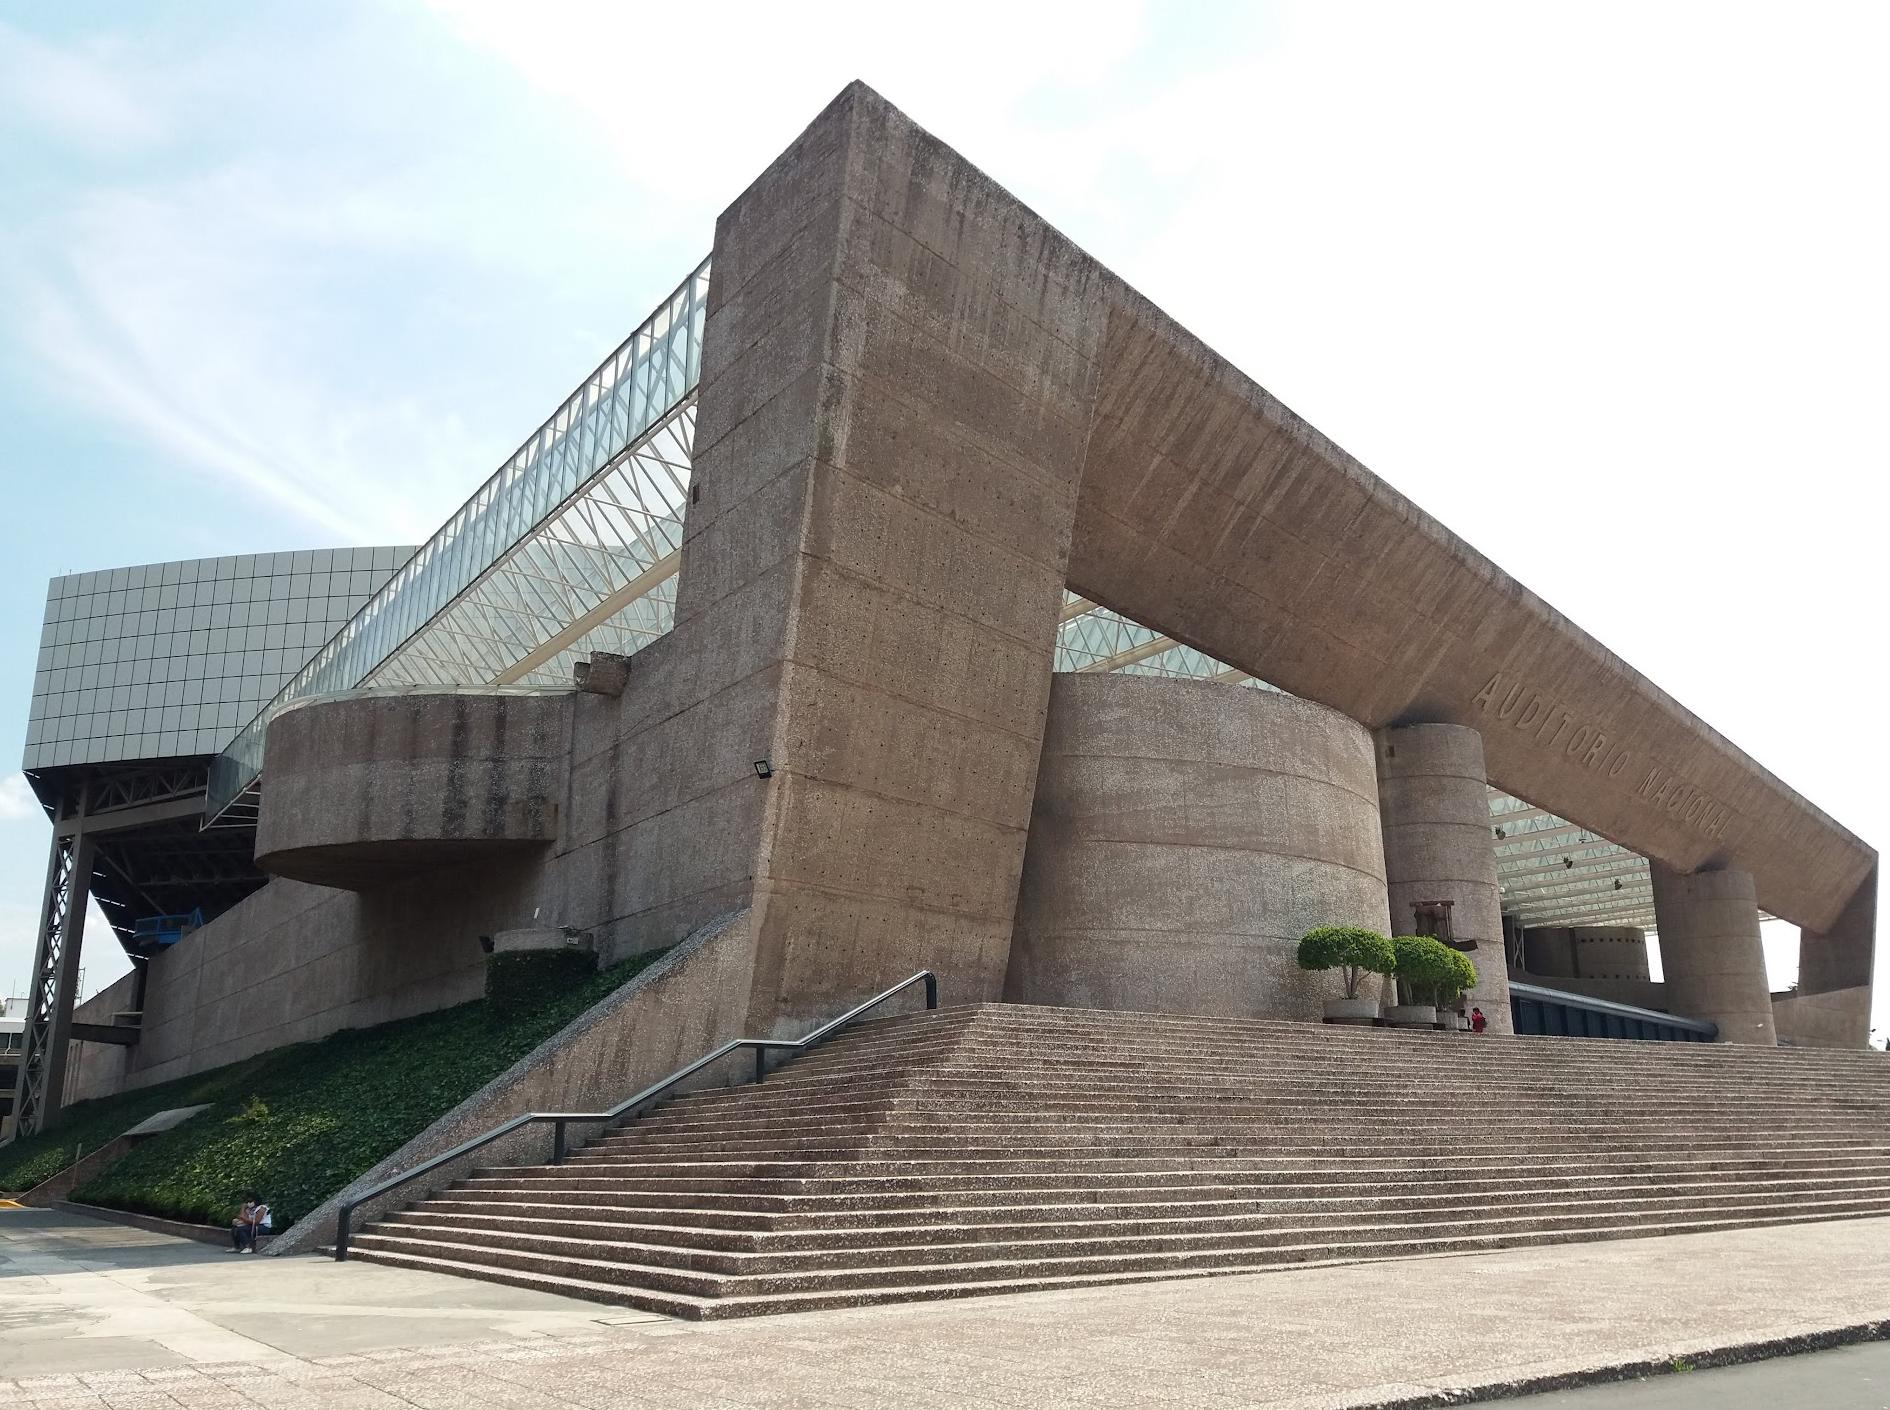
627,1110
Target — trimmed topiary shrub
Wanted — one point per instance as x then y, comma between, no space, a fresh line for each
1351,949
1462,976
1426,967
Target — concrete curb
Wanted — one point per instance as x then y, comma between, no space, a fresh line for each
1640,1369
152,1223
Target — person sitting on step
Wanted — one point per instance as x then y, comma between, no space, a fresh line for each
250,1222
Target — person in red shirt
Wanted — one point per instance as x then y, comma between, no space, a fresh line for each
1477,1021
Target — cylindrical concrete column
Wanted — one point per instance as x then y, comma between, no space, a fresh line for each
1711,955
1609,951
1185,835
1433,798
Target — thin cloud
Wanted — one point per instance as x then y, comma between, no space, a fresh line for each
17,800
78,96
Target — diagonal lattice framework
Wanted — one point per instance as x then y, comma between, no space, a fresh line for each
597,575
637,407
42,1061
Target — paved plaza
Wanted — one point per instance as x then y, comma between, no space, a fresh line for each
98,1317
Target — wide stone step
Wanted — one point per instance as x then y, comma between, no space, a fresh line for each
1459,1053
1183,1105
1024,1125
997,1147
1466,1051
892,1278
878,1162
749,1210
832,1179
1255,1146
1041,1226
745,1256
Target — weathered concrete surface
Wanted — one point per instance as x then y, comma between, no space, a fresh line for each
923,413
94,1068
1842,961
895,392
1186,834
1433,800
87,1301
906,374
688,1003
1586,952
1835,1018
369,789
296,962
1712,958
1213,513
308,1334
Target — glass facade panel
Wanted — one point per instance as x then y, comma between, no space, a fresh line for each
130,671
603,422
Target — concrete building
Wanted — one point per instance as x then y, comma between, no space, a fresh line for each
977,618
143,675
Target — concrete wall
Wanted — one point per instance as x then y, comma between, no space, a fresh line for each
1185,835
1434,802
367,790
894,401
688,1003
98,1069
296,962
907,372
1586,951
923,413
1712,958
1829,1019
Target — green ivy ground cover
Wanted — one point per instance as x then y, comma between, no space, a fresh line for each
298,1123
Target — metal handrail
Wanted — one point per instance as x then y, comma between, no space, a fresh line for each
630,1107
1567,998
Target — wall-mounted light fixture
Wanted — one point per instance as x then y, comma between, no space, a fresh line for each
763,769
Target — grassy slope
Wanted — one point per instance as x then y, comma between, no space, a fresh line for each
334,1108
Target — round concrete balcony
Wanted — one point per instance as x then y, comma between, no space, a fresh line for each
1185,835
364,789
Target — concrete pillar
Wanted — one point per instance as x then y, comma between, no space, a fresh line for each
1433,798
895,399
1835,970
1710,951
1185,835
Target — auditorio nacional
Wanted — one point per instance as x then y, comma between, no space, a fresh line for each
913,591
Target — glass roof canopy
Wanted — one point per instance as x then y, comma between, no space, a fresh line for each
565,548
573,545
1555,872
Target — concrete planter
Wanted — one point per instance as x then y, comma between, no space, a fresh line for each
1411,1015
1450,1021
1362,1011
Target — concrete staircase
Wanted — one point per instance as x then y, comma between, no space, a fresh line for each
1000,1148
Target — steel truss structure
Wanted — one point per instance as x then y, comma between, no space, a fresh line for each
40,1078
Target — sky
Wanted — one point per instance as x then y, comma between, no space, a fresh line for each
1603,286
